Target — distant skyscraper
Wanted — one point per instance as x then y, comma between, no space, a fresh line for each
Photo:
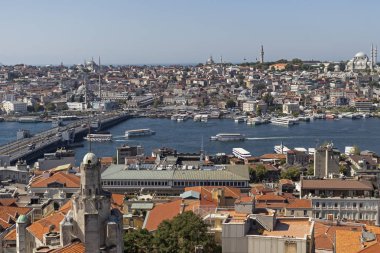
262,54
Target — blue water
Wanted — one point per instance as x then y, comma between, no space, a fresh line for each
187,136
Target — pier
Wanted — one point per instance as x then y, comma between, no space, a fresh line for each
30,149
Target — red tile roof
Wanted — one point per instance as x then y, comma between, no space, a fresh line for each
75,247
69,180
9,215
11,236
299,204
8,202
41,227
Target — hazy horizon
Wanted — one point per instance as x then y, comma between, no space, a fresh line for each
174,32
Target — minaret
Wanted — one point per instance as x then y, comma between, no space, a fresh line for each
262,54
100,83
372,57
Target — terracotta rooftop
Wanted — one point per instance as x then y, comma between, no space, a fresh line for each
41,227
273,156
75,247
65,208
9,215
117,201
167,211
299,204
337,184
11,236
291,227
8,202
69,180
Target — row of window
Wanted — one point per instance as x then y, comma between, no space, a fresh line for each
348,204
345,215
175,183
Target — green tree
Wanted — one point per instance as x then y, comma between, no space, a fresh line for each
138,241
230,103
183,233
343,169
310,170
356,150
50,107
261,172
291,173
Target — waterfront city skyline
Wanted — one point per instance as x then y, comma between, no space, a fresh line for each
171,32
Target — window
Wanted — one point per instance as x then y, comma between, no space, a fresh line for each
317,204
292,212
304,212
323,204
354,204
360,205
335,204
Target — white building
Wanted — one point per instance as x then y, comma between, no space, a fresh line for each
76,106
249,106
14,106
290,108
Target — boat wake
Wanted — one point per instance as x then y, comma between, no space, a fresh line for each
270,138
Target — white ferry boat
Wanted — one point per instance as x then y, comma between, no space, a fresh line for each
240,119
241,153
204,118
29,120
197,117
139,132
283,121
228,137
98,137
181,117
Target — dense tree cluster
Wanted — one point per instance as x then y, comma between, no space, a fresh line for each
184,233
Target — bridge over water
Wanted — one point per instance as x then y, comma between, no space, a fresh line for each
32,148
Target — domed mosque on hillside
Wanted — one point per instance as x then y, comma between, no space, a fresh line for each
361,62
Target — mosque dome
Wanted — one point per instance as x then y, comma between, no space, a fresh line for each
22,219
360,54
90,158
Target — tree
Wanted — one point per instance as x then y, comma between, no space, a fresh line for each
261,172
183,233
310,170
356,150
343,169
138,241
291,173
230,103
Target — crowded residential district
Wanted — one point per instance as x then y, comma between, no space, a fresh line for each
293,200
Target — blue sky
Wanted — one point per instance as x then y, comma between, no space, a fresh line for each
176,31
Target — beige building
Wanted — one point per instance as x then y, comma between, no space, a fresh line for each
264,232
326,161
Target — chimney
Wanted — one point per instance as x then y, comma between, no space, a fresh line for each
182,207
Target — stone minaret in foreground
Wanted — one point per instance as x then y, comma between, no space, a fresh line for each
91,219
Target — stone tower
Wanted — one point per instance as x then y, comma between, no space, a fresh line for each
21,224
262,54
91,219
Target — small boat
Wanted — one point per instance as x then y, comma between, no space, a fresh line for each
181,117
98,137
197,117
240,119
204,118
285,121
139,132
